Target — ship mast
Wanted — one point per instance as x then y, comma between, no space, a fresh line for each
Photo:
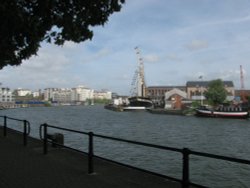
242,91
138,84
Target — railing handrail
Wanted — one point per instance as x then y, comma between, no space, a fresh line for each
118,139
66,129
191,152
185,152
26,127
140,143
12,118
221,157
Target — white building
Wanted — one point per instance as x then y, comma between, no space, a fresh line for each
103,95
81,94
48,93
62,95
36,94
23,92
78,94
6,95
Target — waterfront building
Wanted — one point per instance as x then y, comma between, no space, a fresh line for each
62,95
37,94
174,99
81,94
104,94
23,92
157,93
171,96
66,95
48,93
7,99
196,89
6,95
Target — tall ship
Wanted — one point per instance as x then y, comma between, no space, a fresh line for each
139,99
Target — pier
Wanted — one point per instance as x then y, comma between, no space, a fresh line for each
27,167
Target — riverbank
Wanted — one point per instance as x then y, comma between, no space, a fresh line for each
28,167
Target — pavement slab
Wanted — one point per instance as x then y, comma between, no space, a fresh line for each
27,167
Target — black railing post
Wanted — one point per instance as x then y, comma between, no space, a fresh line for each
45,139
5,126
90,154
185,170
24,132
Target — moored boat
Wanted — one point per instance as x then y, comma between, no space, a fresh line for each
138,99
114,107
140,102
222,112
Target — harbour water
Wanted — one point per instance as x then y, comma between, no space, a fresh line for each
229,137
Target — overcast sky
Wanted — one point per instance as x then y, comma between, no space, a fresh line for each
179,41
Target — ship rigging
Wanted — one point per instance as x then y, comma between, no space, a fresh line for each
138,99
138,84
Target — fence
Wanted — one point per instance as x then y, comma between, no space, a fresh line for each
26,128
185,181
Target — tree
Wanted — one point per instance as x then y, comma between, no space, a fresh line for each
216,93
24,24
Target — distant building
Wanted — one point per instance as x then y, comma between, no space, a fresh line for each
6,95
23,92
37,94
48,93
174,98
157,93
103,95
196,89
81,94
62,95
66,95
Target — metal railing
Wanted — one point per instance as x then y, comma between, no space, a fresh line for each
185,181
46,139
26,127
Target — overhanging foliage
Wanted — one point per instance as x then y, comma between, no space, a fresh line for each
26,23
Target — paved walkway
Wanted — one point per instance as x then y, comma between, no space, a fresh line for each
27,167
